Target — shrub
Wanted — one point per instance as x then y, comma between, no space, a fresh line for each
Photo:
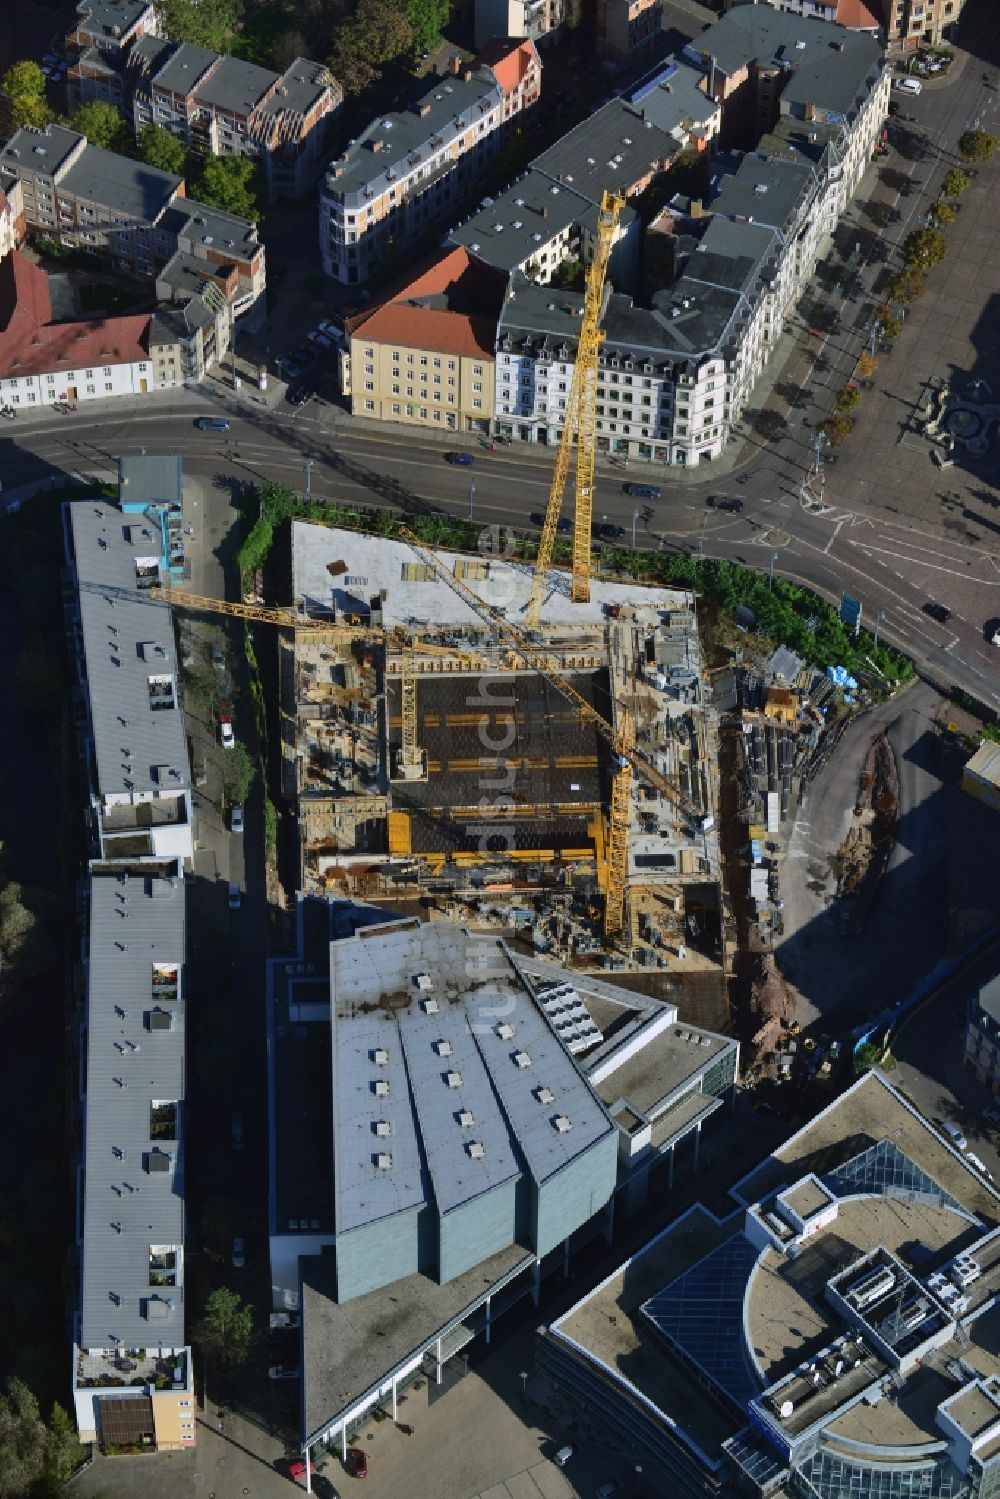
976,145
955,183
837,428
848,399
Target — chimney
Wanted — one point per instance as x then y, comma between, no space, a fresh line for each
455,64
423,109
467,76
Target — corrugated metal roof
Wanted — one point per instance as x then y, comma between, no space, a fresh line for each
151,479
136,927
128,640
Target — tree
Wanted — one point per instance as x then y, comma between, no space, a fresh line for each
428,18
275,500
906,286
925,247
866,365
375,34
23,1440
25,109
16,922
889,322
976,145
158,148
225,1332
837,428
208,23
238,773
848,399
943,214
229,183
63,1451
955,183
102,125
24,80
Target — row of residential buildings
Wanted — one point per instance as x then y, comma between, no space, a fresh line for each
793,110
218,106
133,1380
207,268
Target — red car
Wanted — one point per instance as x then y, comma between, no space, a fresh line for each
356,1462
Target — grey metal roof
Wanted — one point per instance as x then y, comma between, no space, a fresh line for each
184,69
235,85
377,1003
127,639
828,65
188,218
119,183
453,106
136,924
613,148
148,53
507,229
301,86
44,151
105,15
151,479
766,189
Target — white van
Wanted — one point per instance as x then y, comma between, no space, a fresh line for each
907,85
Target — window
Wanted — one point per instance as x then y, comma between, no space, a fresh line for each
477,369
423,359
409,358
451,364
369,405
478,405
477,384
437,364
50,379
395,390
395,408
369,369
91,390
369,385
395,356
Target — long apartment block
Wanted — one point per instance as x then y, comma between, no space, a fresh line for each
218,106
407,170
133,216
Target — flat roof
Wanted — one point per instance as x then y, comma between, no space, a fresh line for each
985,764
349,1348
374,563
301,86
118,182
128,641
767,190
211,227
648,1078
151,479
184,69
508,228
974,1409
132,1061
614,148
236,86
105,15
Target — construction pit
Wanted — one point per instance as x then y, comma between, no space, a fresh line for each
429,760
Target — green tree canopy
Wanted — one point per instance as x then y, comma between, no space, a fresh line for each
225,1332
208,23
925,247
374,35
24,80
229,183
955,183
428,19
238,773
25,109
907,285
158,148
837,428
890,323
976,145
31,1452
103,126
848,399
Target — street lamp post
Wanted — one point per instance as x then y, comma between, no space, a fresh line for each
770,570
472,496
879,617
309,475
635,517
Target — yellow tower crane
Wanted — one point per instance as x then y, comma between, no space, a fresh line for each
631,761
580,426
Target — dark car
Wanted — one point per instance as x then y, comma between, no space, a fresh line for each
724,502
643,491
212,424
465,459
604,531
356,1462
563,524
297,394
938,612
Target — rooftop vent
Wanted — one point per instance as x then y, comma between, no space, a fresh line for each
476,1149
544,1095
562,1124
424,981
383,1161
430,1006
505,1031
522,1059
383,1128
380,1088
453,1079
466,1118
443,1048
380,1057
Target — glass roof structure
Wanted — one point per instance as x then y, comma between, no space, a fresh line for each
832,1477
883,1170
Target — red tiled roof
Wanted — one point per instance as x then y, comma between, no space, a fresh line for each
450,307
31,345
856,13
509,61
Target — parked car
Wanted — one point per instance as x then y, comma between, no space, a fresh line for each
563,1456
239,1254
356,1462
289,367
937,611
236,1131
643,491
226,736
980,1165
236,819
212,423
320,339
464,459
218,658
283,1371
234,896
907,86
724,502
605,531
954,1134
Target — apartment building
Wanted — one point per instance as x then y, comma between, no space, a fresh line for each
192,326
540,21
853,13
982,1035
627,30
407,170
133,216
224,106
910,24
98,43
12,223
424,356
42,362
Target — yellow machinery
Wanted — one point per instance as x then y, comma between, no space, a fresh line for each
580,425
621,823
